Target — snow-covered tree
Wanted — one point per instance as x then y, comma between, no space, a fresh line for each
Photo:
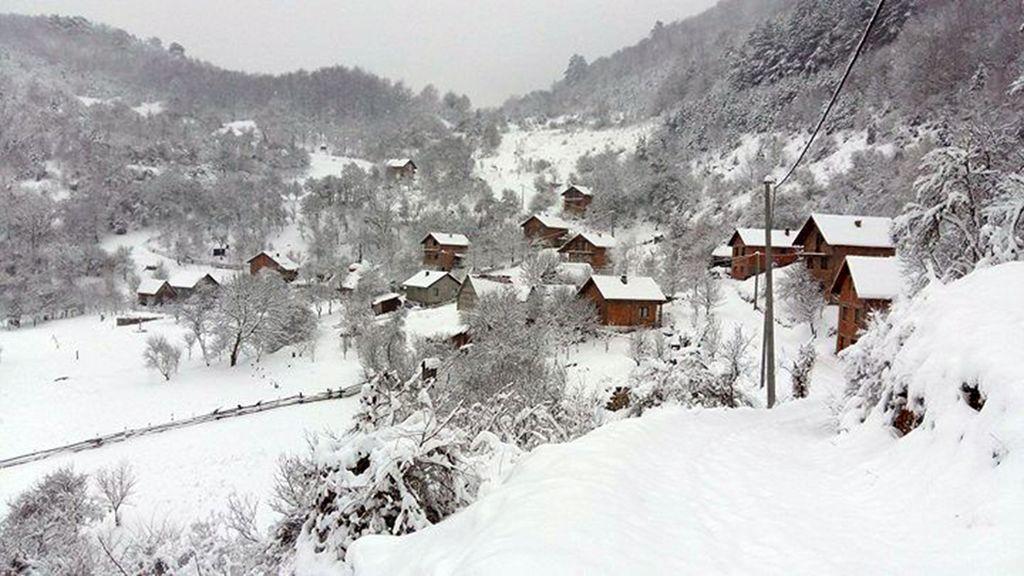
249,313
161,356
803,297
116,485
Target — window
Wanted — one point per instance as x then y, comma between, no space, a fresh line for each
644,312
435,292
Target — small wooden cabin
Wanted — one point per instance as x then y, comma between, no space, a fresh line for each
386,303
589,248
431,287
443,251
827,239
625,300
748,251
283,265
400,169
186,282
153,292
544,230
863,285
576,199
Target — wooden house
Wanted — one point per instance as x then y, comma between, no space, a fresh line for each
431,287
386,303
443,251
748,250
544,230
475,287
186,282
589,248
827,239
283,265
400,169
153,292
863,284
575,199
625,300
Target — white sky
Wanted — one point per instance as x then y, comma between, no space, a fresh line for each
488,49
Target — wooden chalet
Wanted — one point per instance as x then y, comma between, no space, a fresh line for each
588,248
625,300
575,199
153,292
544,230
748,251
400,169
443,251
386,303
283,265
186,282
431,287
863,284
829,238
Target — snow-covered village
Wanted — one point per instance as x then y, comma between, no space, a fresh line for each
395,288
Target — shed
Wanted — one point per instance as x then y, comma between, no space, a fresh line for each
827,239
864,284
153,292
625,300
431,287
748,250
283,265
386,303
589,248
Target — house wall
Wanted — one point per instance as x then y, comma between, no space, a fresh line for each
853,313
579,250
441,256
575,203
750,260
467,297
623,312
444,290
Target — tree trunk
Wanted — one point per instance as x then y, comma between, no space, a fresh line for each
234,349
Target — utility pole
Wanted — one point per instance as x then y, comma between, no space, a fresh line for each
768,357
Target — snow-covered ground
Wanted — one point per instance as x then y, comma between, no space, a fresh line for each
752,491
322,164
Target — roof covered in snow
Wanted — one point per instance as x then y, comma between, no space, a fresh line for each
426,279
841,230
755,237
581,189
446,239
483,286
874,278
635,288
188,278
549,221
283,261
150,286
398,162
598,239
384,298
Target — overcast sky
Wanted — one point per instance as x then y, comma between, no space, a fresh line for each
488,49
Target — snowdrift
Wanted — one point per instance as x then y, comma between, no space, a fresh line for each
751,491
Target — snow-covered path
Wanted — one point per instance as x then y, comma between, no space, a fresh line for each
709,492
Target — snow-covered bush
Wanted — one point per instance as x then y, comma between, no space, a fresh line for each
162,356
801,370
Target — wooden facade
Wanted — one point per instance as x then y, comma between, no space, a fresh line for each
750,259
853,310
544,231
442,255
588,249
439,289
862,286
575,200
616,310
278,264
824,258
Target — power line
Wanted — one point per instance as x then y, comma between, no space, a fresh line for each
835,93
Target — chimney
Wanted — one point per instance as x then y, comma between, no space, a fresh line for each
787,231
623,279
857,223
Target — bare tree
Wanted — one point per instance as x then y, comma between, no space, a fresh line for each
116,485
803,297
162,356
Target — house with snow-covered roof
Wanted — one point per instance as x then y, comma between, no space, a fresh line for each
625,300
186,282
475,287
829,238
589,248
575,199
400,169
154,292
545,230
444,251
864,285
280,263
431,287
748,250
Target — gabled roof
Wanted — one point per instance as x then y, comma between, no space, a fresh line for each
283,261
723,251
484,286
150,286
189,278
548,221
755,237
446,239
874,278
384,298
427,278
598,239
841,230
399,162
630,288
581,189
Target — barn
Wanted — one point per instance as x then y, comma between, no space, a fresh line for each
444,251
153,292
431,287
386,303
589,248
283,265
544,230
864,284
400,169
575,199
625,300
748,250
186,282
827,239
